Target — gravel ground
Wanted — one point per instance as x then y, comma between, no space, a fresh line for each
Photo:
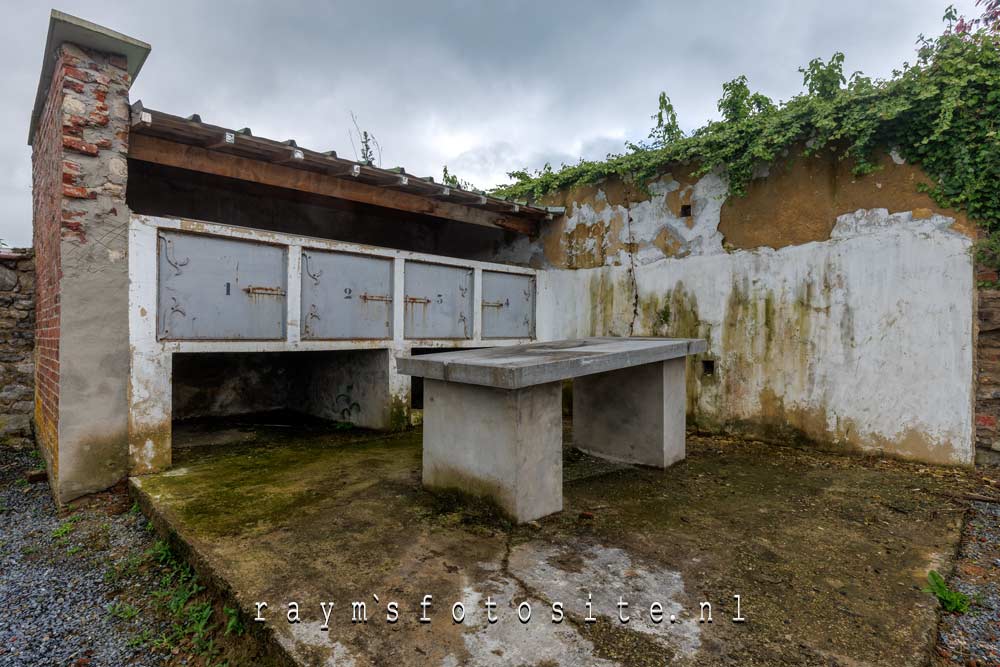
973,639
61,574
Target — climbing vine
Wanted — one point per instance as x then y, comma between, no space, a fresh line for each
942,111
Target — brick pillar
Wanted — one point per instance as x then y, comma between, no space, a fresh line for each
79,155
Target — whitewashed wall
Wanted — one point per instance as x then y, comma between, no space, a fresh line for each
864,340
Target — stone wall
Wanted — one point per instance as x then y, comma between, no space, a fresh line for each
17,334
838,310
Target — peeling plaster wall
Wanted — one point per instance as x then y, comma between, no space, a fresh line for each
863,339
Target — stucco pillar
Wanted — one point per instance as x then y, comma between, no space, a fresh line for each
79,137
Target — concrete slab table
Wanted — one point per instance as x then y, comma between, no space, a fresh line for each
493,417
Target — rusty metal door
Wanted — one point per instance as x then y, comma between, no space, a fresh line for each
346,296
212,288
438,301
508,305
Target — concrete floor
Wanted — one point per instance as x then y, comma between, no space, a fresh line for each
828,553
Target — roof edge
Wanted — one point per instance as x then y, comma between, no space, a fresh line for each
64,28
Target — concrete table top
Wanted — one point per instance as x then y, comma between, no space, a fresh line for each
521,366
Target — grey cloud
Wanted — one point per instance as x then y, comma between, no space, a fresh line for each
484,87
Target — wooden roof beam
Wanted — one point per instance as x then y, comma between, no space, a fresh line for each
196,158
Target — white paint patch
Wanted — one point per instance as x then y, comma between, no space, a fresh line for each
510,643
872,221
314,638
607,573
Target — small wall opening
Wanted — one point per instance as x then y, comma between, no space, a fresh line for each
218,393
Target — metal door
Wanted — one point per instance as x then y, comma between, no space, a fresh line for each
346,296
438,301
508,305
212,288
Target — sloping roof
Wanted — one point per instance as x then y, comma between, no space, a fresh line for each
65,28
242,143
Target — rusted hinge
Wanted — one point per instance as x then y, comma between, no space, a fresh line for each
417,299
376,297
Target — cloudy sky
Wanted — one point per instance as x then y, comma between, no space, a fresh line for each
484,87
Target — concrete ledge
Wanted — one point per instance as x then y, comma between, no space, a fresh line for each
521,366
193,551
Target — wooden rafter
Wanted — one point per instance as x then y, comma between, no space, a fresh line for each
197,158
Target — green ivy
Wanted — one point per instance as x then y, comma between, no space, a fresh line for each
941,112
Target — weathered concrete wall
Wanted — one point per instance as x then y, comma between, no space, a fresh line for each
857,332
17,334
352,386
81,223
348,379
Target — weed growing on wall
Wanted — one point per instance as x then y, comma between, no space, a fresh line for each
942,111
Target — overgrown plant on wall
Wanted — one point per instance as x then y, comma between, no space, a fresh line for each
943,112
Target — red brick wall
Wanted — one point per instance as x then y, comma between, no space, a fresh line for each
47,180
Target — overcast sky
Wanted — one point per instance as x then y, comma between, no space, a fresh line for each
484,87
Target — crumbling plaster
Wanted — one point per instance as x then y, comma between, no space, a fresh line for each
861,339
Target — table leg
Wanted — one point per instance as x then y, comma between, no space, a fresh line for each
505,445
632,415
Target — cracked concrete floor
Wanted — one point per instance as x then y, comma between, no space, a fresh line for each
828,553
